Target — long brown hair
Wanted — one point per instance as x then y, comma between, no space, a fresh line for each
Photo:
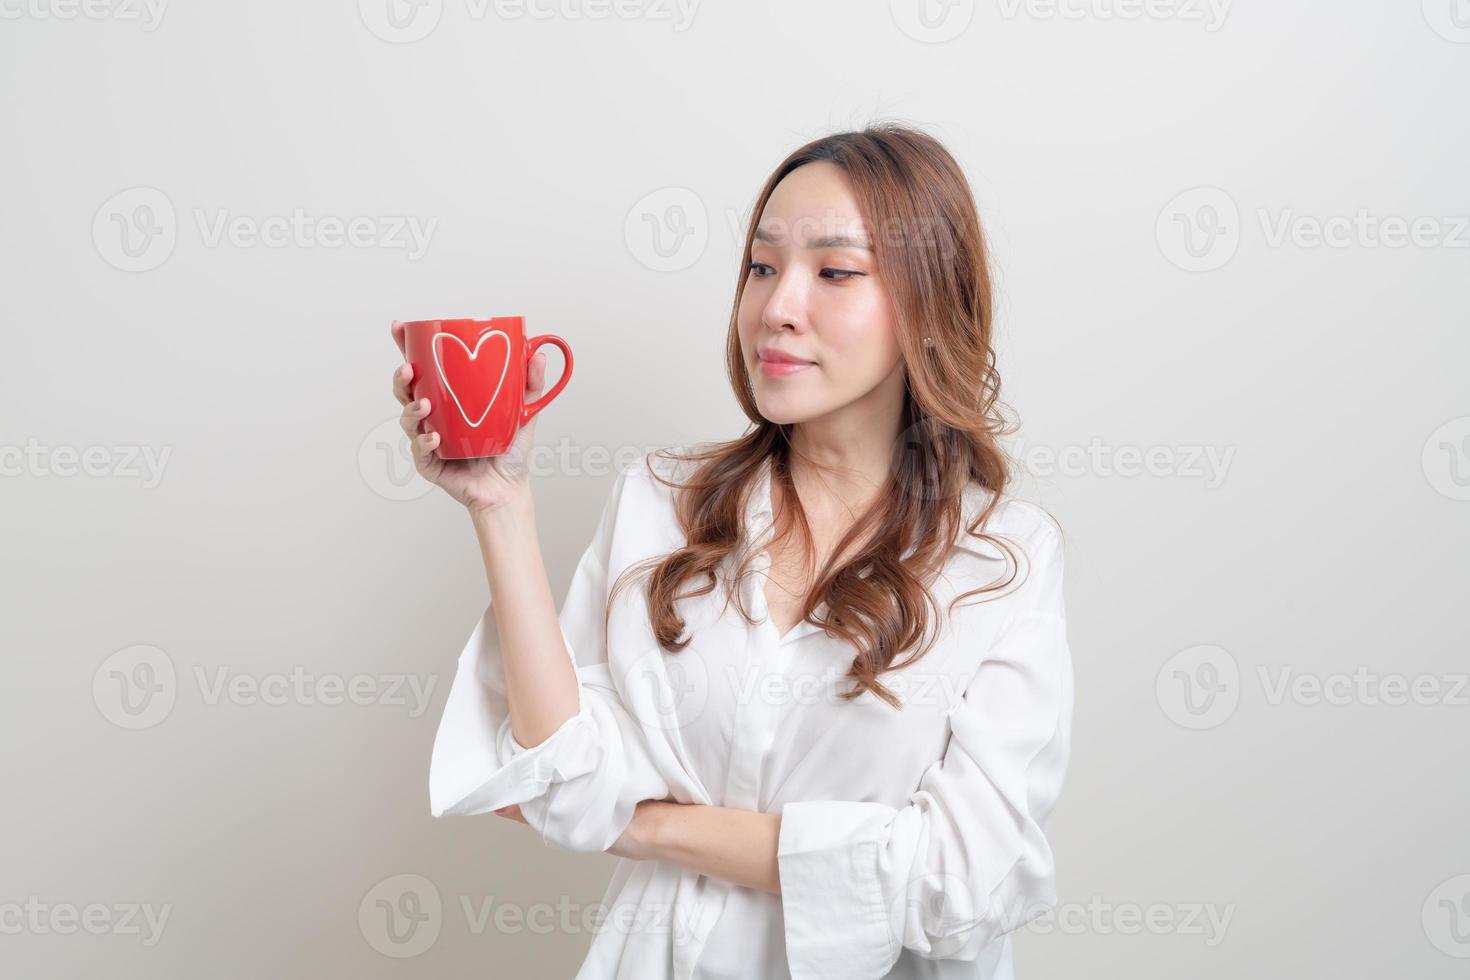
931,253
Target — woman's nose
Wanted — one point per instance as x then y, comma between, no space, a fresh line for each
786,306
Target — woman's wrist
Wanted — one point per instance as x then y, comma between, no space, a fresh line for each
509,545
734,845
644,838
517,510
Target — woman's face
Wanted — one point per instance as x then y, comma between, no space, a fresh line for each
813,293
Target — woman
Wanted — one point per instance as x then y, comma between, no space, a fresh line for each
812,685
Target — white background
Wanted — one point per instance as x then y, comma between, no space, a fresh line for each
1151,176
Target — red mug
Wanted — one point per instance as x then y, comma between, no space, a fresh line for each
474,374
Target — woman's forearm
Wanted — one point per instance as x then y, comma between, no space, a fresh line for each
738,846
540,682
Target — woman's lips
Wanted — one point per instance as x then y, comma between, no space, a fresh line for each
781,369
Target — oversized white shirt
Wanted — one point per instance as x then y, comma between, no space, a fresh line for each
911,841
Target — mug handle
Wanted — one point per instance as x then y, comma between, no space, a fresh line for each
529,411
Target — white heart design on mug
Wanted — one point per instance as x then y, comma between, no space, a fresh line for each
439,363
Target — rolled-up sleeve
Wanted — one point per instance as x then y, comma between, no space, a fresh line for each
966,861
578,788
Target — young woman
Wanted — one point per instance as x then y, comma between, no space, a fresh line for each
812,685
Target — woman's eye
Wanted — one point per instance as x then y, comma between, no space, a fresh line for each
760,270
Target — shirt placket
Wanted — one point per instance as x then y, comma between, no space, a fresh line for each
766,653
753,724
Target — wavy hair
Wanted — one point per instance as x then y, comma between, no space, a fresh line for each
932,256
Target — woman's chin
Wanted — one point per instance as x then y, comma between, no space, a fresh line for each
780,411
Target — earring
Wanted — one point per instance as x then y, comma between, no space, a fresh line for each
928,341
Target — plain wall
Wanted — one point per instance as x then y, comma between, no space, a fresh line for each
1258,443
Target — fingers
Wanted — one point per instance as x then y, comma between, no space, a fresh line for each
401,377
413,413
536,373
415,410
424,444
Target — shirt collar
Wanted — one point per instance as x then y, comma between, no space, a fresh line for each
759,513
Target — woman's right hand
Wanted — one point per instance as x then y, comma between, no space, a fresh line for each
479,484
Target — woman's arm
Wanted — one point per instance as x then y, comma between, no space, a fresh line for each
540,679
738,846
540,682
533,718
579,785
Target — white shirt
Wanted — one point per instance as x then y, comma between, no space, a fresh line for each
911,841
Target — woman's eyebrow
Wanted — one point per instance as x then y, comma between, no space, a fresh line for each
826,241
